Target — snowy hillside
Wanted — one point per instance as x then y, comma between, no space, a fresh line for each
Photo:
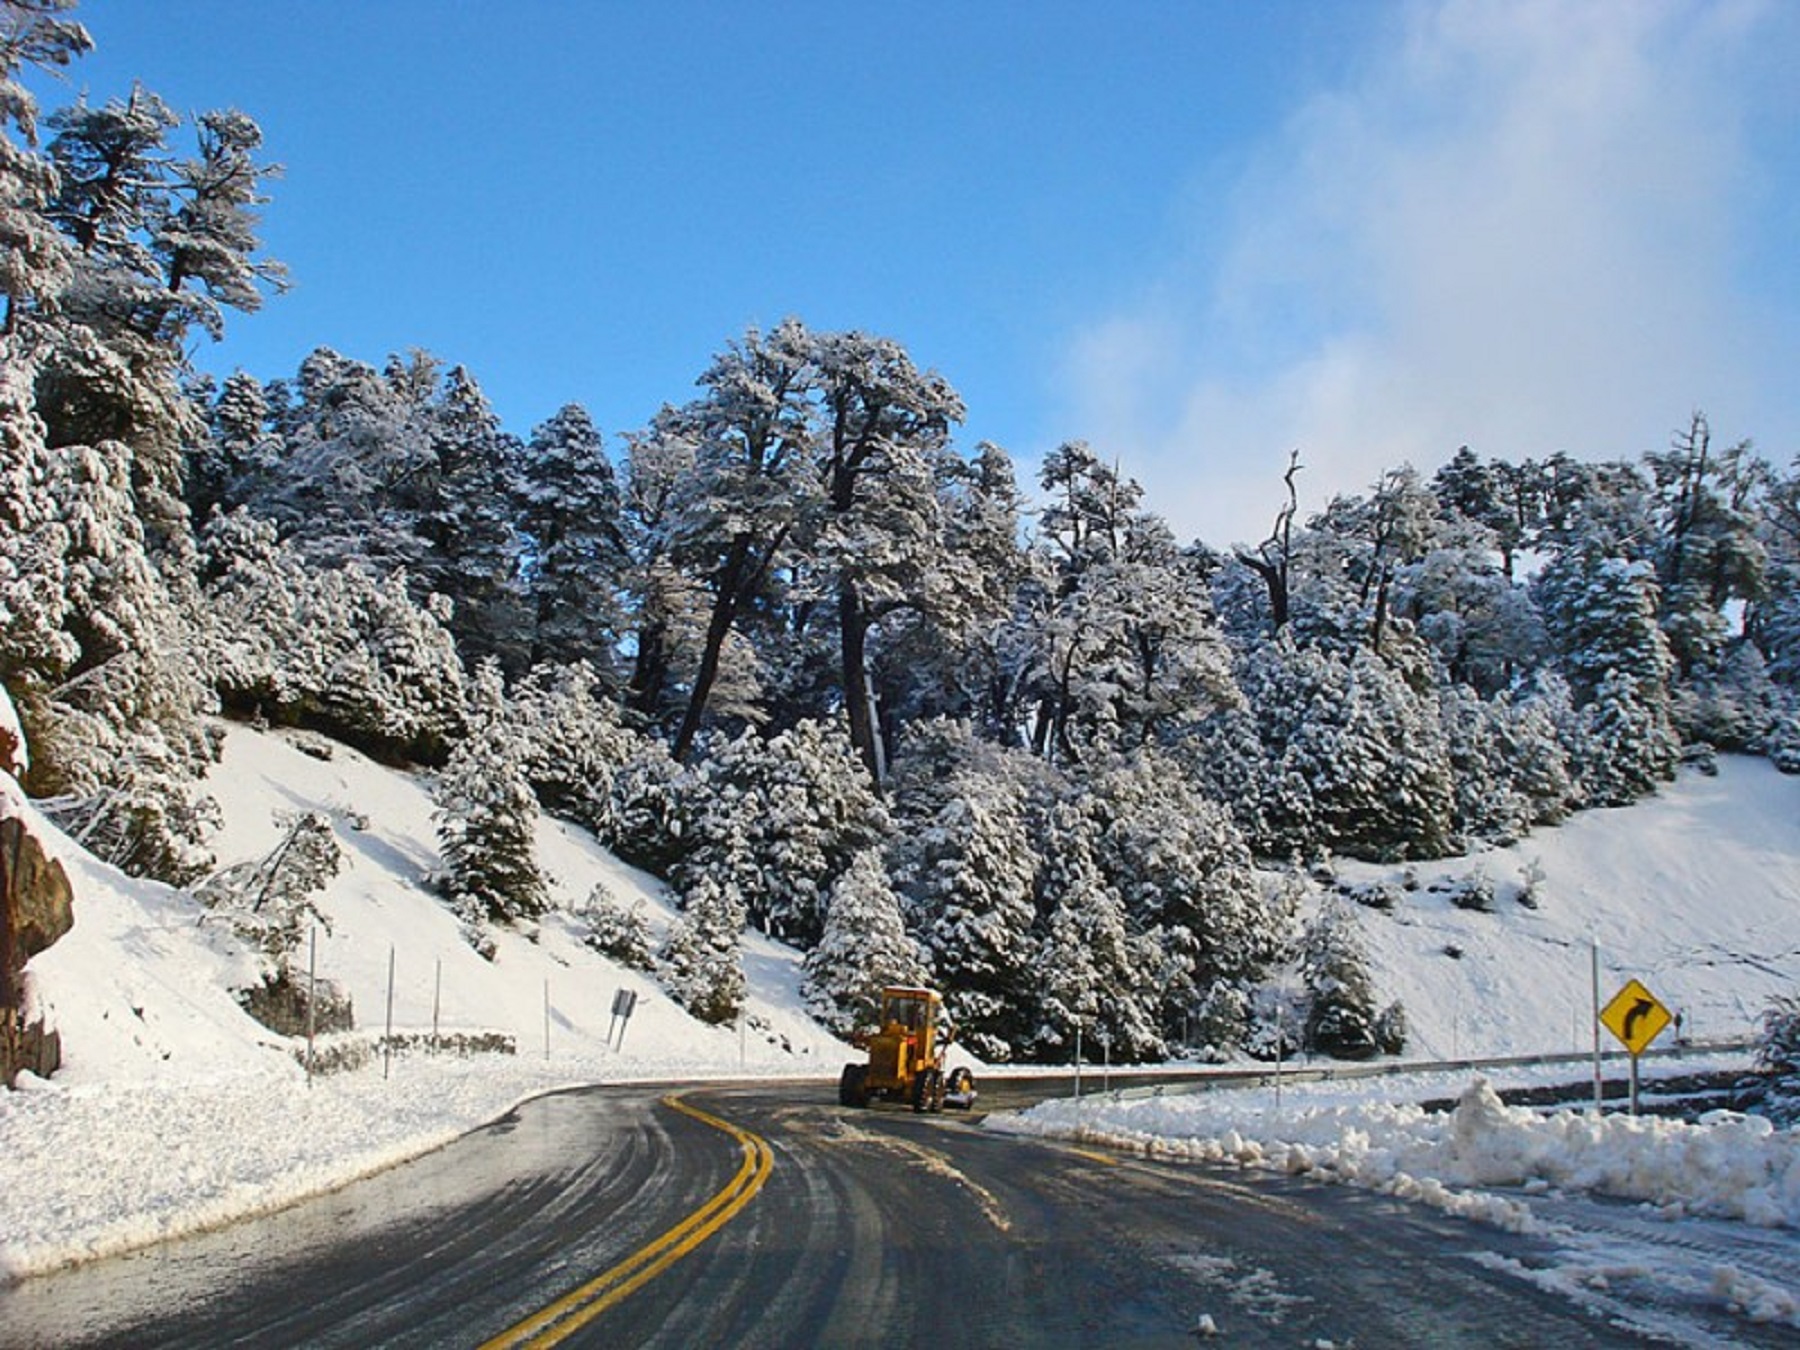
138,946
1695,892
176,1110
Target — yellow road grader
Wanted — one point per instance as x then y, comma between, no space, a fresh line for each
906,1056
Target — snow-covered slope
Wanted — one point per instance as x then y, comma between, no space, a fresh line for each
175,1109
1695,892
139,987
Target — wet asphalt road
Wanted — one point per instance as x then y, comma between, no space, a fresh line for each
863,1228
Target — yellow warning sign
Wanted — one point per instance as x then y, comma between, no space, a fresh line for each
1635,1017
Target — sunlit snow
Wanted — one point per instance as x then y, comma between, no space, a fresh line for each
176,1111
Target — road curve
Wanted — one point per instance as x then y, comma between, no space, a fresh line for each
864,1228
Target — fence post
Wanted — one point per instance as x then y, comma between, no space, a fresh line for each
387,1041
312,1001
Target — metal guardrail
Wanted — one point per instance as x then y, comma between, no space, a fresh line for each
1187,1082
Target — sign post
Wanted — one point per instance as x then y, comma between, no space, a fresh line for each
1636,1017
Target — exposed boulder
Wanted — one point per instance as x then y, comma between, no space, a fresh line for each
36,908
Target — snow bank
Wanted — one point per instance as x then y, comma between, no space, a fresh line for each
1725,1166
119,1166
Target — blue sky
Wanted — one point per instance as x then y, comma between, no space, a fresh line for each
1197,235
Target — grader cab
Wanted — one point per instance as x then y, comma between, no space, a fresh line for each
906,1056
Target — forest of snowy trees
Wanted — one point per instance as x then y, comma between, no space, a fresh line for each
793,648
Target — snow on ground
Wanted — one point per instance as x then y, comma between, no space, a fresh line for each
1647,1264
176,1111
1695,892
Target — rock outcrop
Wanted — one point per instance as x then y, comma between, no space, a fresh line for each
36,908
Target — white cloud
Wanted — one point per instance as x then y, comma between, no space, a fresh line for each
1518,226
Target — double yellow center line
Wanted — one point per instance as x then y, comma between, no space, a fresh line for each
574,1310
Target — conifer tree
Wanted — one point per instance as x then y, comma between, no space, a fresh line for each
1629,743
967,872
864,946
702,964
569,514
1185,876
487,816
793,810
1095,974
576,742
35,258
1342,1017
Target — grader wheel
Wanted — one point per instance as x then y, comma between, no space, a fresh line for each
960,1087
853,1087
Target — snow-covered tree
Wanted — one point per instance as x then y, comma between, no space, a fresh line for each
1778,1060
115,715
471,550
954,654
702,963
966,862
1508,762
1601,612
1708,554
615,930
1628,742
333,648
883,423
1095,973
575,743
270,900
207,244
486,814
1342,1015
1358,760
730,518
160,243
35,260
346,478
792,810
864,946
667,609
1185,877
1126,649
577,562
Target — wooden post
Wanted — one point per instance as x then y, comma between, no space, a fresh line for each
312,1001
387,1041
